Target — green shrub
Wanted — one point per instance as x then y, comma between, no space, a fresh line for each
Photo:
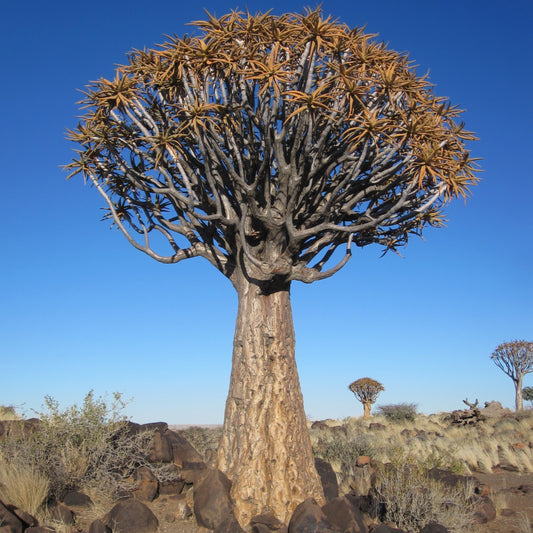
82,445
399,412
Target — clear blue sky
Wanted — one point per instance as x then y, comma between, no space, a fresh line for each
81,309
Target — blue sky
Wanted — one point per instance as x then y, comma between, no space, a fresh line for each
81,309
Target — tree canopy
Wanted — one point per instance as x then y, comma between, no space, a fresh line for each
515,358
292,130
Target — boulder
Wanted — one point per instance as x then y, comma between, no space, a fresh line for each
328,479
77,500
433,527
308,517
212,502
229,525
484,511
384,528
186,457
267,523
344,516
97,526
131,516
146,486
28,520
10,521
161,450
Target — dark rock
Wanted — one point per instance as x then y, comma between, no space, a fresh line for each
328,479
171,487
212,503
147,485
343,515
362,503
77,499
97,526
384,528
131,516
19,428
28,520
183,453
376,426
484,511
308,517
319,424
453,480
153,426
40,529
9,520
229,525
434,528
266,522
507,512
161,450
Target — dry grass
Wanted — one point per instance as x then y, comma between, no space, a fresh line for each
21,484
433,440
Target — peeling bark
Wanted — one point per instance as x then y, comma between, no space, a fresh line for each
265,448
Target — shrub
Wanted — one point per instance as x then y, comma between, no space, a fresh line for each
399,412
204,440
407,496
7,412
82,445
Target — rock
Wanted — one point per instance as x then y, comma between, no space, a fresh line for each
319,424
507,512
28,520
19,428
384,528
452,480
229,525
161,450
186,457
147,485
344,516
484,511
97,526
376,426
171,487
328,479
308,517
9,520
434,528
212,503
77,499
40,529
266,523
131,516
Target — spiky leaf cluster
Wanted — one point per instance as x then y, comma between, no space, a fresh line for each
366,390
514,358
273,140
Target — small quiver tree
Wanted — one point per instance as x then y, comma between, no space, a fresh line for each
269,146
527,394
366,390
515,359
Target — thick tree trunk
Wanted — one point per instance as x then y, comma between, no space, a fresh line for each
519,402
265,448
367,407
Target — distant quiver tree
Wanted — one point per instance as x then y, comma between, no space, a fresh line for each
366,390
270,146
515,359
527,394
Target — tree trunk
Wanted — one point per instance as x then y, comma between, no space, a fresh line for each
265,447
367,406
519,403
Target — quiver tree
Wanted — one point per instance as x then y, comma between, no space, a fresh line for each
515,358
366,390
270,145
